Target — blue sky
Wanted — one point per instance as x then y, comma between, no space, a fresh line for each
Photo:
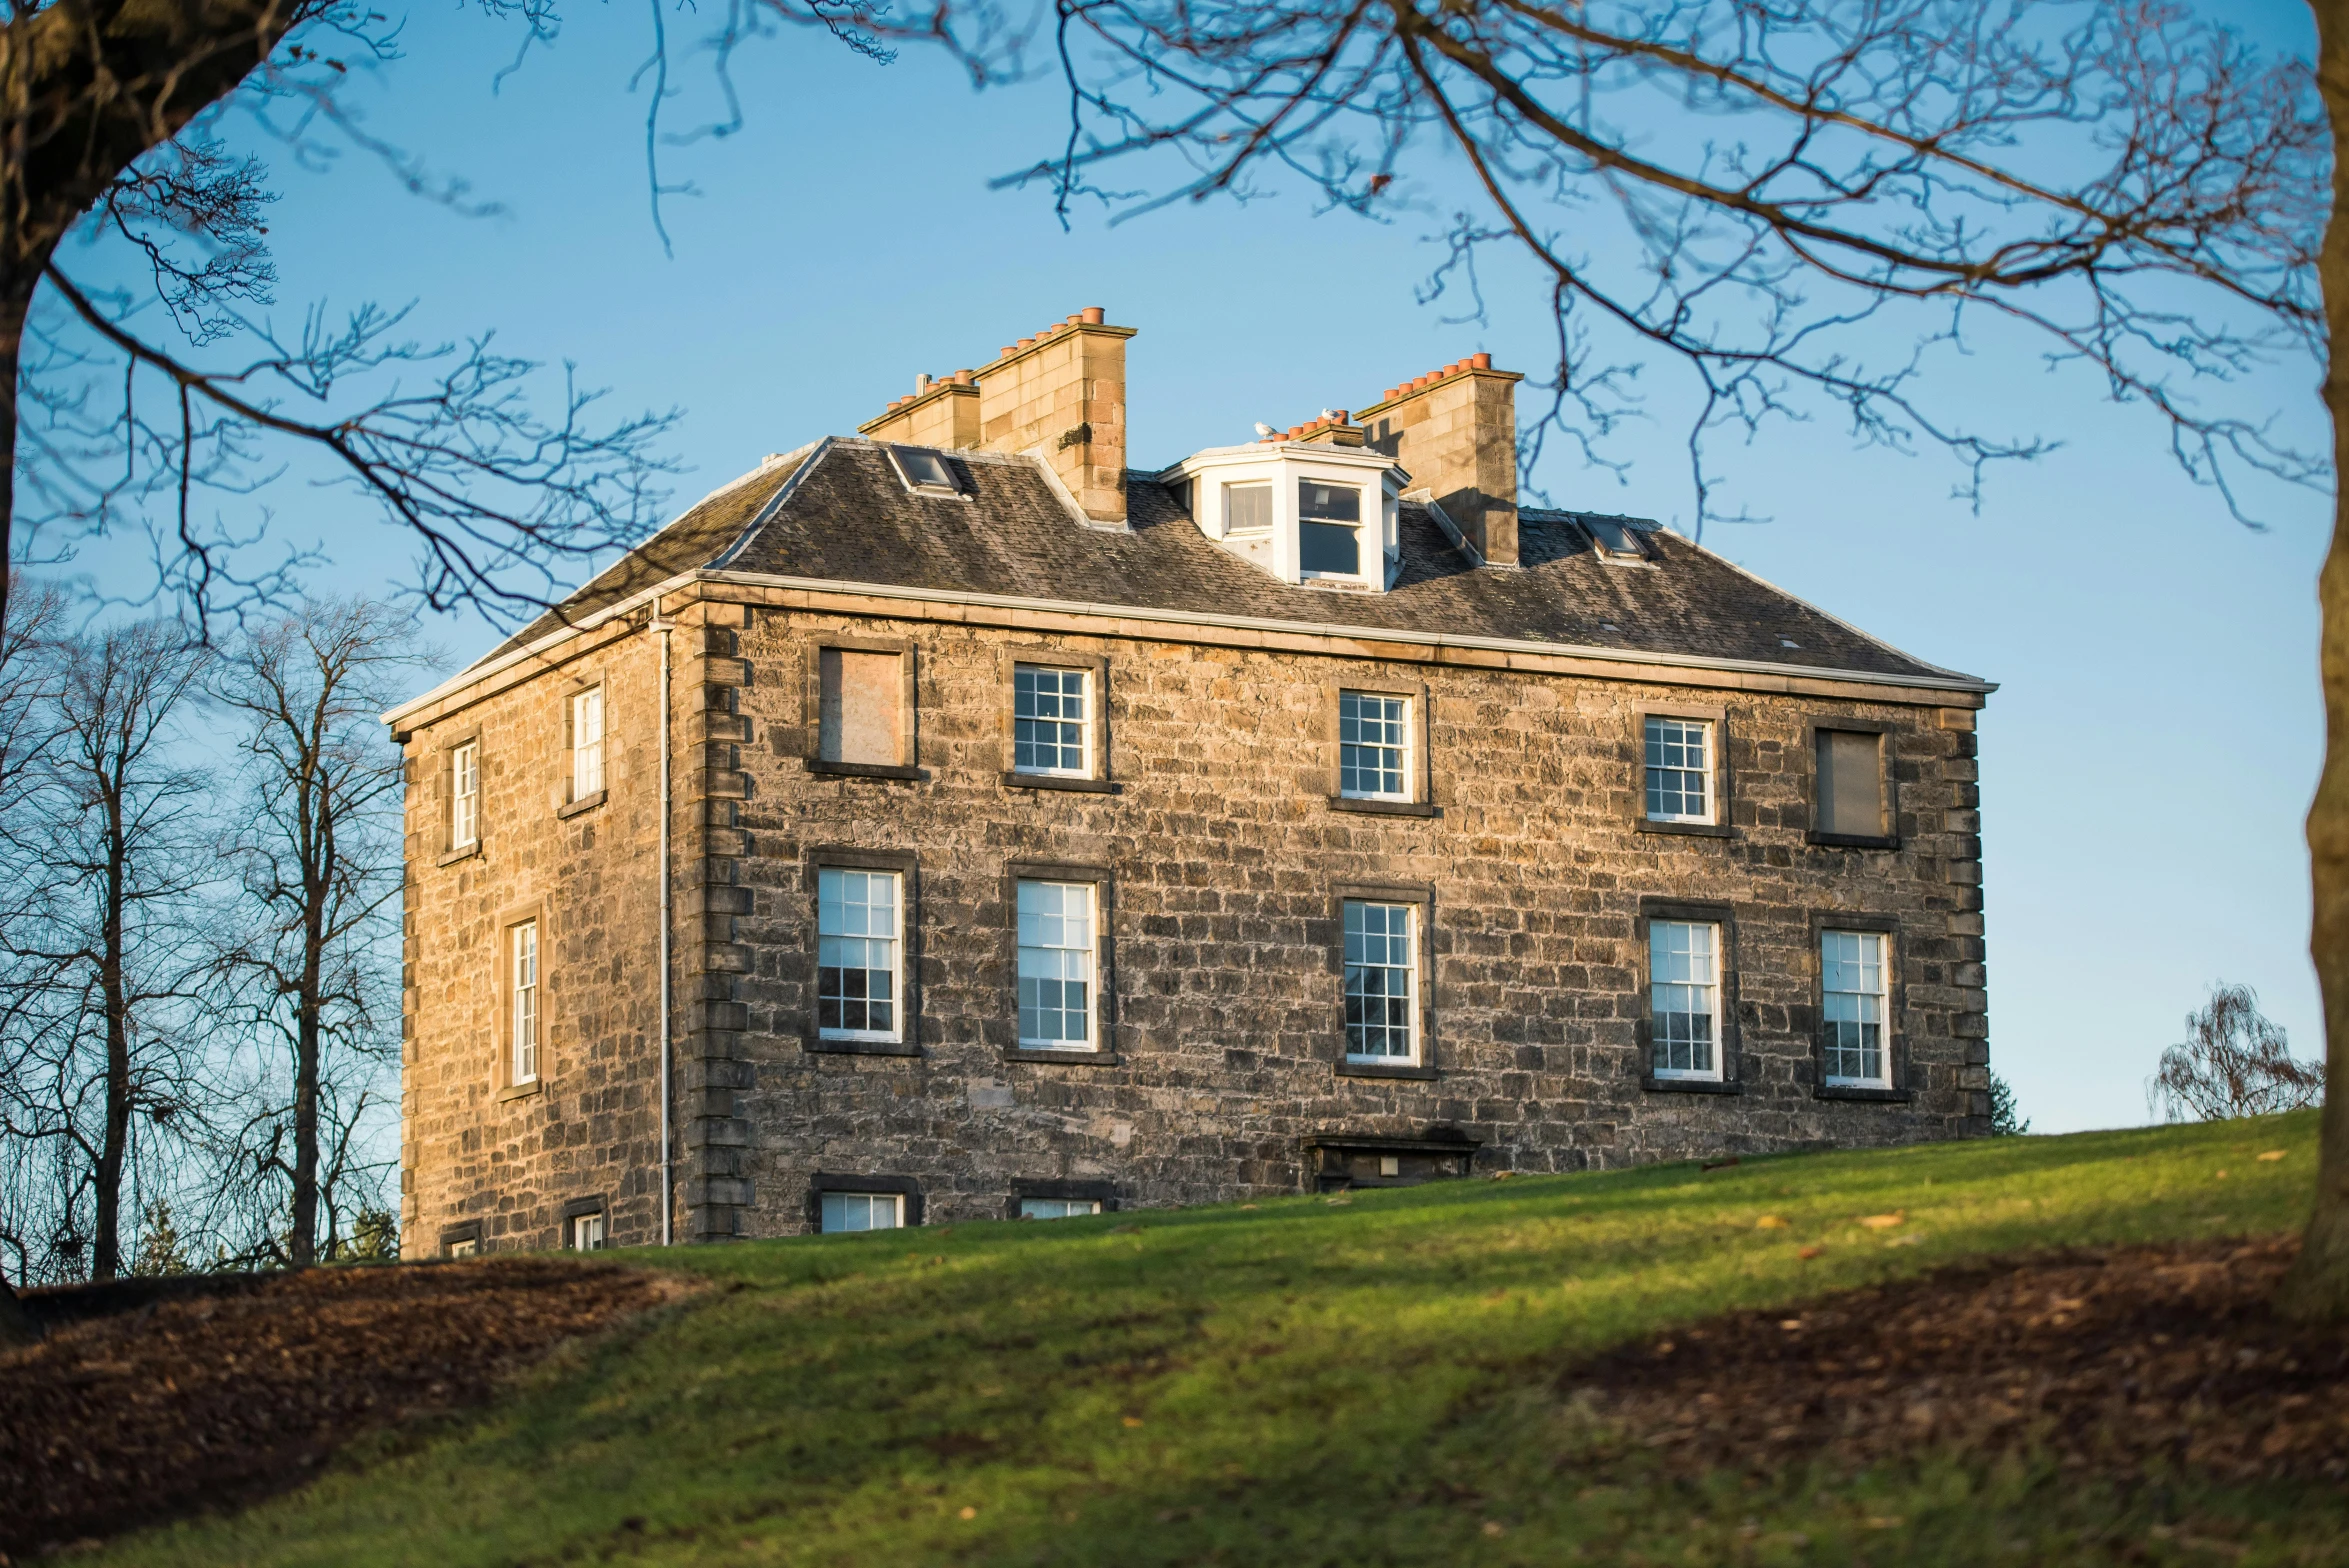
2145,764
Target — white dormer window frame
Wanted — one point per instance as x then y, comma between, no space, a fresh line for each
1283,469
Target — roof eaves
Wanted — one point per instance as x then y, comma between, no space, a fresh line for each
1946,680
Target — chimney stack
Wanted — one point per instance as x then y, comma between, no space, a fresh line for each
942,412
1455,430
1061,395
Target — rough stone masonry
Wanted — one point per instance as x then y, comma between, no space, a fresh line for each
1605,750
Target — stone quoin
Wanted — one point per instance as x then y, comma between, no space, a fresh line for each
1047,835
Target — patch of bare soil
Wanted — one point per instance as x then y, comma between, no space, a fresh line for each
2110,1359
210,1392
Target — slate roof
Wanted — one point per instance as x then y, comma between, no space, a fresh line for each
846,518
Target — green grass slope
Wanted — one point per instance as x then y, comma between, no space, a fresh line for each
1304,1381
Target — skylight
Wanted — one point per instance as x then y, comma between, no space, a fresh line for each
924,471
1616,539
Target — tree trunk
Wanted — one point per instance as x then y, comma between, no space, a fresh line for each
16,1325
305,1238
2318,1286
106,1183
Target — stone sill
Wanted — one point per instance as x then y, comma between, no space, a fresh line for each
520,1091
1058,781
862,770
823,1047
1691,829
455,855
1347,1069
1383,808
1863,1094
1690,1086
1024,1053
583,803
1853,840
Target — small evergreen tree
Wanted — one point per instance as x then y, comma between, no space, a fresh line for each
161,1251
2003,1122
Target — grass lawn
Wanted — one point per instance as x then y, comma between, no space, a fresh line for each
1357,1381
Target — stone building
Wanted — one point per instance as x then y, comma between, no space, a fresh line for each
956,821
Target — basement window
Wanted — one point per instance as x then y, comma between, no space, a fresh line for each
854,1211
924,470
1058,1208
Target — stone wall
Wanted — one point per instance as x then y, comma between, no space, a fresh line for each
1224,858
1225,854
479,1155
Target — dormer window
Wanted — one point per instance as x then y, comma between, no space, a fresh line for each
1617,540
1302,512
923,470
1247,509
1329,529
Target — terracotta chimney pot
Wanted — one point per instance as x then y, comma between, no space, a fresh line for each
1092,315
962,378
1480,361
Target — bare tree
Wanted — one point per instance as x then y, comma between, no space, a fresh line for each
2235,1062
29,623
320,859
109,960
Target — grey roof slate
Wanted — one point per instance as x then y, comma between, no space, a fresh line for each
848,519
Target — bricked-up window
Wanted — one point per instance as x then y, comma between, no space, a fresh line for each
525,1009
1056,966
1851,783
1247,509
1851,966
1679,769
1058,1208
850,1211
465,796
1381,981
1374,746
858,939
587,1233
1684,998
861,707
1329,532
587,743
1049,721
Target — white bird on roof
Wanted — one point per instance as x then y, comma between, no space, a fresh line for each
1265,432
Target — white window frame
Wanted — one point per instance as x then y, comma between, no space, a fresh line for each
1408,968
1708,773
896,939
825,1202
526,1017
1657,1045
1091,952
1271,508
1403,750
587,749
1830,970
465,795
1083,725
1067,1208
1361,572
586,1232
